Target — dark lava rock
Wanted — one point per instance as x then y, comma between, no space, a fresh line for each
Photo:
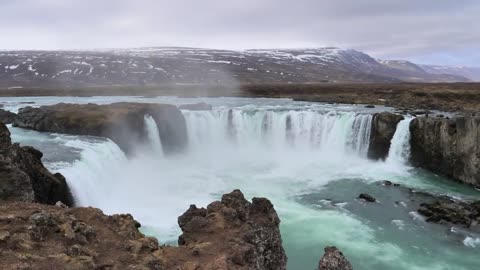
7,117
202,106
383,128
367,197
450,211
448,146
333,259
123,123
24,178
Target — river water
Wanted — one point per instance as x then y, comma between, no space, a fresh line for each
309,159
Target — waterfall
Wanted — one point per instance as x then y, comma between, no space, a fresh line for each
362,127
93,177
334,132
153,135
400,145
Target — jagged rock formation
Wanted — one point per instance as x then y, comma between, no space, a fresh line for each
6,117
333,259
230,234
383,128
248,238
23,176
448,146
121,122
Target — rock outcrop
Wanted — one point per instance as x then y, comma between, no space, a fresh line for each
449,211
23,176
248,236
229,234
6,117
333,259
448,146
383,128
123,123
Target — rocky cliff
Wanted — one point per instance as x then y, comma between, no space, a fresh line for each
383,128
6,117
23,176
448,146
229,234
121,122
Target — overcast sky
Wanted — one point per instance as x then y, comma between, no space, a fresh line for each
425,31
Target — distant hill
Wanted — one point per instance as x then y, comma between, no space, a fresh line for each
472,73
177,65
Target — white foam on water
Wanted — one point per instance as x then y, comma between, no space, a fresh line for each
471,242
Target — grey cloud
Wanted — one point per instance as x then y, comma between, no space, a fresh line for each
437,31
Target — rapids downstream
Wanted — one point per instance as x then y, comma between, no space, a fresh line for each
309,159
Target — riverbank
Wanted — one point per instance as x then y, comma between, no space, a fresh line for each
463,97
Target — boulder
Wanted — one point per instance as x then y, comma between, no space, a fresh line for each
448,146
24,178
367,198
333,259
383,128
6,117
123,123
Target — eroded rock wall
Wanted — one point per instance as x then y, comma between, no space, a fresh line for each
450,147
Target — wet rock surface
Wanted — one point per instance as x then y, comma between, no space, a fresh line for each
6,117
23,176
123,123
367,198
448,146
229,234
383,128
446,210
333,259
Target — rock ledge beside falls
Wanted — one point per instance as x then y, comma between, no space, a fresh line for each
448,146
123,122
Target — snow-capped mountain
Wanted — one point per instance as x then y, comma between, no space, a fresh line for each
174,65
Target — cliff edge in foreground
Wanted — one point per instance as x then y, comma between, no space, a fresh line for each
229,234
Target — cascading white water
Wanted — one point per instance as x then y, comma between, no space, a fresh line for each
153,135
333,132
399,152
98,161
